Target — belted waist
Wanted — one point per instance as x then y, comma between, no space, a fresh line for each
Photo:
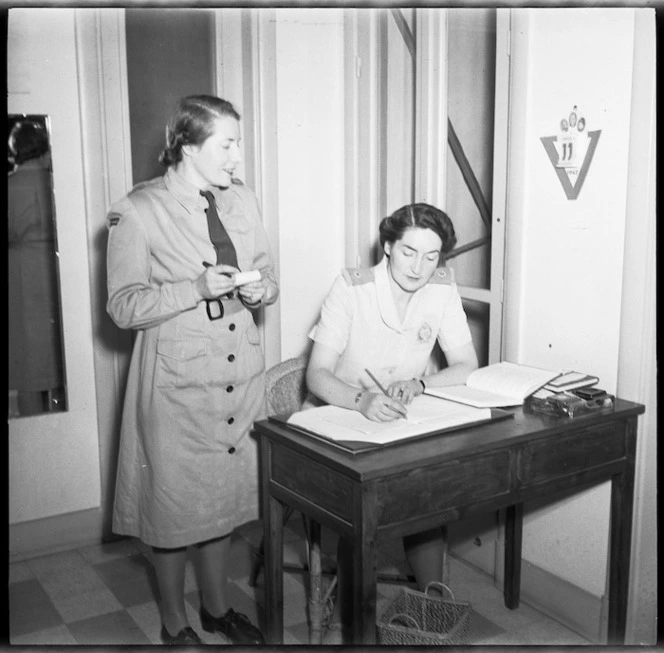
232,306
228,306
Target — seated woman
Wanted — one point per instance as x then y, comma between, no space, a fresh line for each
387,319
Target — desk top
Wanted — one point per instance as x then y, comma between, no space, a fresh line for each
400,456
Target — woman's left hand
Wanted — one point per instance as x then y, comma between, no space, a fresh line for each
253,292
405,391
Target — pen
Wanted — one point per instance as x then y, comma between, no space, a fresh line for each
382,389
377,382
207,264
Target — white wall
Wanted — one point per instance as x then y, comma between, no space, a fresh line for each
54,458
565,257
310,137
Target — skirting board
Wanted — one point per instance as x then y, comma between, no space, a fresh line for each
572,606
54,534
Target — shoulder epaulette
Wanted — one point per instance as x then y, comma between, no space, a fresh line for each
358,276
237,182
142,184
443,275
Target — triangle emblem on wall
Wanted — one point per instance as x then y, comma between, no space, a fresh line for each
571,190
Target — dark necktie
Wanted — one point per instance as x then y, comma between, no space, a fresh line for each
218,235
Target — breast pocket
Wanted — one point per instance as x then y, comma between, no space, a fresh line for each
181,363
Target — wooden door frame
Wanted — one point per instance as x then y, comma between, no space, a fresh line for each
102,60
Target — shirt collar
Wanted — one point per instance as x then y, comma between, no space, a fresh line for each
188,195
388,311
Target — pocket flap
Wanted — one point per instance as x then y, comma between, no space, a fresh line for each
182,349
253,337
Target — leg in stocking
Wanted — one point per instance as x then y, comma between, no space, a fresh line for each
169,566
216,614
214,559
425,553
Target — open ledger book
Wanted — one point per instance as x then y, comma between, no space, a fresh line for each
425,415
500,384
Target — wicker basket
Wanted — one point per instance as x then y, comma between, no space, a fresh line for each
419,619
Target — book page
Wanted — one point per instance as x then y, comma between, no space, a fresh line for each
510,379
474,397
425,414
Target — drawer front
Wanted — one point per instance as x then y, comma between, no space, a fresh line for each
443,487
305,477
571,453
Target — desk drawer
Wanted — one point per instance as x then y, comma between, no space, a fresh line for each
444,487
310,480
572,453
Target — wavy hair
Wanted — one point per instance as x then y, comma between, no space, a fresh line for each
423,216
192,123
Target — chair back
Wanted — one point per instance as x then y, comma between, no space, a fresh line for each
286,386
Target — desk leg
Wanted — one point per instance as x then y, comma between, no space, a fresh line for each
273,525
365,578
513,539
315,583
620,542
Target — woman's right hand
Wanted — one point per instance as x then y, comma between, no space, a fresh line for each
216,281
381,408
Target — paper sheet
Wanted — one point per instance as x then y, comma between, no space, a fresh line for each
425,414
241,278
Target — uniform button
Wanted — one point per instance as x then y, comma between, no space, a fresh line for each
229,388
231,450
231,327
231,358
231,420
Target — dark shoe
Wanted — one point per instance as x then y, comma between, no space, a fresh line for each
234,625
186,637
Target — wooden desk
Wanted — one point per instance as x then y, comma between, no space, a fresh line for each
410,487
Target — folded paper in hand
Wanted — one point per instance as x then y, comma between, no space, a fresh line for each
500,384
425,415
241,278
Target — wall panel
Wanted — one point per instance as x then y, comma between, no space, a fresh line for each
564,256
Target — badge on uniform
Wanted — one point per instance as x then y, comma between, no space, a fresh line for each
424,334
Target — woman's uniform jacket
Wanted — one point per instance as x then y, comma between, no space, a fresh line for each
187,468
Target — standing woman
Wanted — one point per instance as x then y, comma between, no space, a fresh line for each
387,319
187,469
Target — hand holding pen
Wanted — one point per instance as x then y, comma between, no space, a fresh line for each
215,281
382,407
250,285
